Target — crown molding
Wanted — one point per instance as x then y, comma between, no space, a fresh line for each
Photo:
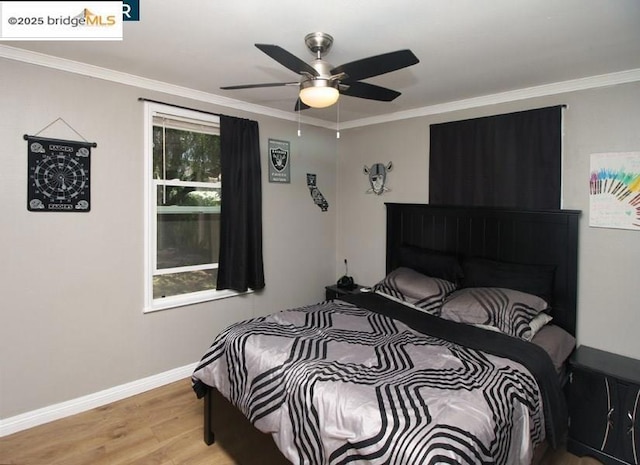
555,88
84,69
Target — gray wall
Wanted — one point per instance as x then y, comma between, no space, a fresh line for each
71,321
599,120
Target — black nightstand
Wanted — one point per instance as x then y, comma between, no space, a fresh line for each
333,291
604,398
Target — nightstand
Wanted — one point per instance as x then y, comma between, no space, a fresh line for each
604,397
333,292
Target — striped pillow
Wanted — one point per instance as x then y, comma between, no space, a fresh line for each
510,311
421,291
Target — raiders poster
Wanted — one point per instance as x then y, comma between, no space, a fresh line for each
279,161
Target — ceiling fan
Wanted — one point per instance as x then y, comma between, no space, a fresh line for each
321,84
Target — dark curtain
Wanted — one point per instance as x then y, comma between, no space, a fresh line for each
240,264
511,160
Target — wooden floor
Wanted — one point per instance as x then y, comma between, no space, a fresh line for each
159,427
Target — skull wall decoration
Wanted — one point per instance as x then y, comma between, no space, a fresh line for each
377,177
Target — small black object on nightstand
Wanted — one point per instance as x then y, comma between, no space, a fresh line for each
604,398
334,291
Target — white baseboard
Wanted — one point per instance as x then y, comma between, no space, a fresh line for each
82,404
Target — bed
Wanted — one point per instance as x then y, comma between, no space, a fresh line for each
437,363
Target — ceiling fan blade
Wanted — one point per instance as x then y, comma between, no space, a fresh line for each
287,59
266,84
369,91
376,65
300,105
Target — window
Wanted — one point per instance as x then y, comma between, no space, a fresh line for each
183,180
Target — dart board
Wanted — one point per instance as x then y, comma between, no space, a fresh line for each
58,175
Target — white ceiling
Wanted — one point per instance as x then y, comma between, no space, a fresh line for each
467,48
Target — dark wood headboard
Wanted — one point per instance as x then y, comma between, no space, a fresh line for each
547,237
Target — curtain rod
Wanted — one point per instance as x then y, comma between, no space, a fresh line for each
142,99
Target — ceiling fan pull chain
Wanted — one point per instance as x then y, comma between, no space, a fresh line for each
299,133
338,120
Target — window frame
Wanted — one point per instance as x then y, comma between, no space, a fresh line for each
152,109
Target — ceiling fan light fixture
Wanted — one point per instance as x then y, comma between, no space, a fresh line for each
319,93
321,83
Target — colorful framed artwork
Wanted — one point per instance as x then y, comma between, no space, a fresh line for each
614,190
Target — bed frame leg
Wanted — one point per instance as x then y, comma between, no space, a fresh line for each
209,437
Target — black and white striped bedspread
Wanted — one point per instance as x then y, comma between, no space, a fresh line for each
335,383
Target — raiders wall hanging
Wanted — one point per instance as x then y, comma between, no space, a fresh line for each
58,174
377,177
279,161
316,195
